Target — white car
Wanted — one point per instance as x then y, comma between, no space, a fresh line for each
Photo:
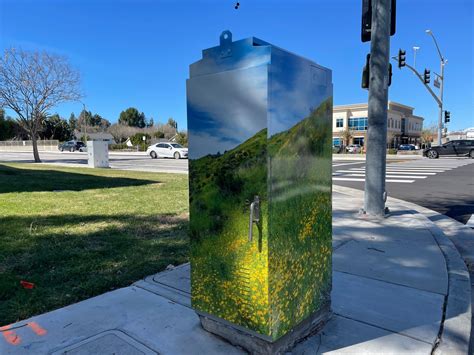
167,150
353,148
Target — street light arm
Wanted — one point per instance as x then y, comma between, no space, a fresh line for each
437,47
437,99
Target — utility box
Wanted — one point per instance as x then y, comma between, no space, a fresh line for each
260,150
98,154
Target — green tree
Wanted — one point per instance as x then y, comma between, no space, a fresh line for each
132,117
172,123
55,127
72,122
182,138
8,126
137,140
159,134
85,119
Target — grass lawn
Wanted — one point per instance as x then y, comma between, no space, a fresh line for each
78,232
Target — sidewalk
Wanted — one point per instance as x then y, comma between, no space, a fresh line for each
399,286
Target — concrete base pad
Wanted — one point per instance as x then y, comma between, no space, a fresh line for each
258,344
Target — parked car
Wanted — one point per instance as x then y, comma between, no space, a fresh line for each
353,148
72,146
459,148
406,147
167,150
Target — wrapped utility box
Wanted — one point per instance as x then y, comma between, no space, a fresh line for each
260,147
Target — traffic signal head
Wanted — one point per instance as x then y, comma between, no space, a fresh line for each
447,116
366,73
426,76
401,58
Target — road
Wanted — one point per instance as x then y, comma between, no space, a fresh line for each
445,185
123,161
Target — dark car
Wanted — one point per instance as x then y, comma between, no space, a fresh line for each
458,148
71,146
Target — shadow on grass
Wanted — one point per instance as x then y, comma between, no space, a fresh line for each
33,180
72,258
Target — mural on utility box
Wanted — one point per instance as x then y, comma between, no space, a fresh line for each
260,134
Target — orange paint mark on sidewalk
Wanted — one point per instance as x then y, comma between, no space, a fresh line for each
10,336
37,329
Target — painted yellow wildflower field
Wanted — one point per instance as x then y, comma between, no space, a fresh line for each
283,275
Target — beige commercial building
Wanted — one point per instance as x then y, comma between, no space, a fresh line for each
403,126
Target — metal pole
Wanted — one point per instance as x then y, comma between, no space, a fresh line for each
374,199
85,122
440,117
440,103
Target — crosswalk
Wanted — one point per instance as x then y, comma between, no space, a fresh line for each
406,172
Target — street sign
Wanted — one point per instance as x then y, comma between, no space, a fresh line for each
436,83
367,19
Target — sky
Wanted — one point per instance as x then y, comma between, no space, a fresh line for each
137,52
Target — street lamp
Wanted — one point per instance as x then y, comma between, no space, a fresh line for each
415,48
441,77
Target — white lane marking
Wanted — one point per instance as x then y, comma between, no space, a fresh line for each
419,167
417,172
359,179
334,165
470,222
410,169
398,172
393,176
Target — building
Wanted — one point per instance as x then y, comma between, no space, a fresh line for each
350,121
467,133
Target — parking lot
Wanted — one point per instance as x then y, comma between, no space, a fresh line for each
137,161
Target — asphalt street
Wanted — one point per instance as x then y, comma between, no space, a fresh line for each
445,185
125,161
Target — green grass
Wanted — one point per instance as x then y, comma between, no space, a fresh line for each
77,233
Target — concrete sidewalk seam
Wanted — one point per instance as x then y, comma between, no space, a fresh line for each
455,330
390,283
456,334
379,327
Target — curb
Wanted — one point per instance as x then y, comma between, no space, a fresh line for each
455,330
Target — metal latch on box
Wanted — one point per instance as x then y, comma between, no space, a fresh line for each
254,216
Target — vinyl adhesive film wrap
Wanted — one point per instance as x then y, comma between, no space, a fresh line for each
259,123
300,209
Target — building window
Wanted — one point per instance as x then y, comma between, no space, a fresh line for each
358,123
359,141
339,122
336,142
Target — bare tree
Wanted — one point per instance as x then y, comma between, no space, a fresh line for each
391,135
346,136
428,135
31,83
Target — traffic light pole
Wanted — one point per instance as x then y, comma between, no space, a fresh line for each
439,100
440,103
375,195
